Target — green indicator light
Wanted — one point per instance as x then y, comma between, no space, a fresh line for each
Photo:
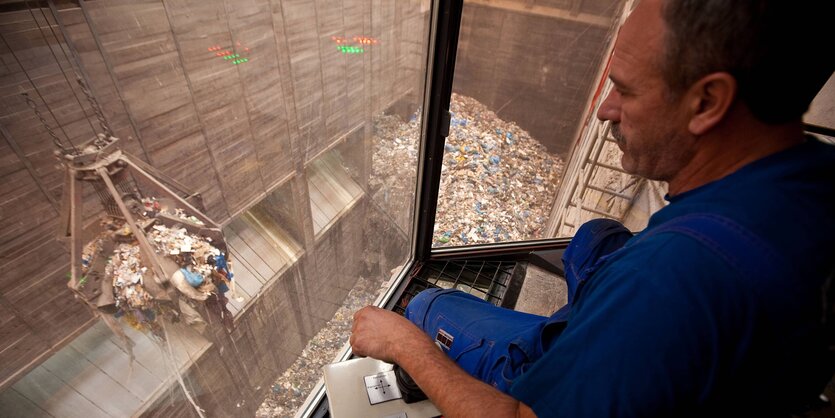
246,59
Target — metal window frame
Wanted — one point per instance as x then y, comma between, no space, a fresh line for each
443,44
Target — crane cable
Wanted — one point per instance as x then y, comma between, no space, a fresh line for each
55,140
55,57
31,102
99,141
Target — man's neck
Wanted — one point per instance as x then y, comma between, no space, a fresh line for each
731,146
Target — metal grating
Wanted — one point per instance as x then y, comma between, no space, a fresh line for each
487,280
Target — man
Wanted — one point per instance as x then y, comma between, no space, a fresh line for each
715,307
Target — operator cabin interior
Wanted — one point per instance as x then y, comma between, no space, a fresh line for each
197,195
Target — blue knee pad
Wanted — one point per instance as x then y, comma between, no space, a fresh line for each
594,239
491,343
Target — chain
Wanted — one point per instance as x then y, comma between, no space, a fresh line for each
96,108
55,140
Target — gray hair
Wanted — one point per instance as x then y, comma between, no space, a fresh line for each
776,49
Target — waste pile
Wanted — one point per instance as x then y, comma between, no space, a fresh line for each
497,183
394,166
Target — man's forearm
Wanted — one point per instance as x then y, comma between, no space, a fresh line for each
453,390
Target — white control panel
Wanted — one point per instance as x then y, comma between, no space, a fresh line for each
365,387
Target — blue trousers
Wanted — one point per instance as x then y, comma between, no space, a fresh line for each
494,344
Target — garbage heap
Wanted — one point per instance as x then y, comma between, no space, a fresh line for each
497,182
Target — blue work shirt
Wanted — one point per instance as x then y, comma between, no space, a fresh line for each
667,328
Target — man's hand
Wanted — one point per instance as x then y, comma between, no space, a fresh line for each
379,333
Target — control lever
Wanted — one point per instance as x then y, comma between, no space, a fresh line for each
408,388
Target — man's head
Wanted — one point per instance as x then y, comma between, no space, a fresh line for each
686,72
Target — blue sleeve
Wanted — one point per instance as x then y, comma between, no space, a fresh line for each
643,338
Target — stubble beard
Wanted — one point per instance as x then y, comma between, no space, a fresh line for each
621,142
618,135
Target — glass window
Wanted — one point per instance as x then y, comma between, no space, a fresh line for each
259,146
524,76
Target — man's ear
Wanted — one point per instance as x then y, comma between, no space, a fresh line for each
709,100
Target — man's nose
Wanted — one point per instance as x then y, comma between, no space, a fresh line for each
610,108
